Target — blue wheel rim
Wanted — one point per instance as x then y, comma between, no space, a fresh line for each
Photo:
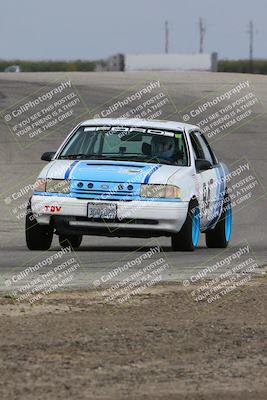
196,226
228,223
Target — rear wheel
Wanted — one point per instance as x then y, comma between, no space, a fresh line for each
38,237
70,240
220,236
188,237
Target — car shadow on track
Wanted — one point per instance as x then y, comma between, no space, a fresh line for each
128,249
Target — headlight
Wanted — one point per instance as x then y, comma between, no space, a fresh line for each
52,185
160,191
58,185
40,185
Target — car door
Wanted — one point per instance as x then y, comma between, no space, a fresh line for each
207,180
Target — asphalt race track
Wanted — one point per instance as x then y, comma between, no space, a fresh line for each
21,164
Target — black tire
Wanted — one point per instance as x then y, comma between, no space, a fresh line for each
38,237
183,241
217,237
73,240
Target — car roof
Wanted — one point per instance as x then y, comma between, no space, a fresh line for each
136,122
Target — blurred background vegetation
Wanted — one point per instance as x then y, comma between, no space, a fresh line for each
242,66
245,66
49,66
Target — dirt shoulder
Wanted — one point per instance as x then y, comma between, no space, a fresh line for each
73,345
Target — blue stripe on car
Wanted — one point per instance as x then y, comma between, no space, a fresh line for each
72,165
221,189
222,184
228,223
216,202
148,176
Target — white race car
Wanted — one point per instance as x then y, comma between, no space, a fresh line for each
133,178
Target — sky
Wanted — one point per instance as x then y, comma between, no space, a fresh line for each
87,29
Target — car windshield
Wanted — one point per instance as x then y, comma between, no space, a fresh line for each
127,144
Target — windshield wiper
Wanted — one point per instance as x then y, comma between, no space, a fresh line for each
140,158
149,159
72,156
161,160
85,156
118,157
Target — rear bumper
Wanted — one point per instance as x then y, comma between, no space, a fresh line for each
134,218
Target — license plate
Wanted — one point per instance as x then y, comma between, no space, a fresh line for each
102,210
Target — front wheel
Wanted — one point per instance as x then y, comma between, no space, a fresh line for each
188,237
220,236
38,237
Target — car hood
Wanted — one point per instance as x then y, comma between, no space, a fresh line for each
109,171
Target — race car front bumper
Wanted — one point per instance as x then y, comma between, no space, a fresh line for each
134,218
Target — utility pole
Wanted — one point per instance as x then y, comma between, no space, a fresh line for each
166,37
202,32
251,45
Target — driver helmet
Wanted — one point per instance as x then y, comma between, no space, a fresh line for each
163,147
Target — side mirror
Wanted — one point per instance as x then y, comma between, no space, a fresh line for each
203,165
48,156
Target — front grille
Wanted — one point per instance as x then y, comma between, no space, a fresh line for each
105,190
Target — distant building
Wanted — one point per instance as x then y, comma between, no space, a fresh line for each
159,62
